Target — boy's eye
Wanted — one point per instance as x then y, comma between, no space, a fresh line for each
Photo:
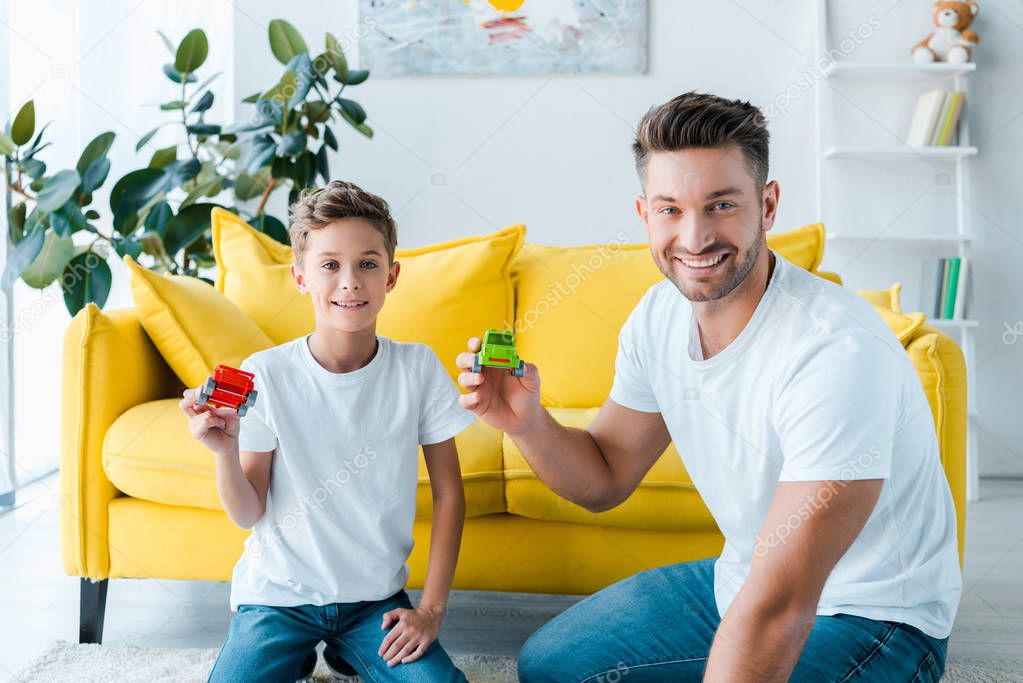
369,264
330,265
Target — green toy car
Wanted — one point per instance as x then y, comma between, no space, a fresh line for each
498,350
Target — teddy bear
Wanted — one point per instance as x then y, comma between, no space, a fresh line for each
951,40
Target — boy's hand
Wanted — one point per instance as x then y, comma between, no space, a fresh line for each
504,401
216,428
413,631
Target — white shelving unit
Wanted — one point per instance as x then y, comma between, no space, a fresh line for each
959,242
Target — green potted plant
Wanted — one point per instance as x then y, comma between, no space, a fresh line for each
160,214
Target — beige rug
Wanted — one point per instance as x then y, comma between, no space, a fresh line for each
71,662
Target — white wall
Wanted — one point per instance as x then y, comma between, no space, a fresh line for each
554,152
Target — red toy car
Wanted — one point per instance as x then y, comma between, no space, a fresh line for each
229,388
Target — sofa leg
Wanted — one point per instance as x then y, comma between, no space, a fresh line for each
92,607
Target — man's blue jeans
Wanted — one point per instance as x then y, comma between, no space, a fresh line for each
659,625
270,643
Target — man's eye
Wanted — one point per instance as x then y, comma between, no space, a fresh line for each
668,210
726,205
369,264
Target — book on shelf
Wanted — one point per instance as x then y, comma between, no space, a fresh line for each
936,119
943,288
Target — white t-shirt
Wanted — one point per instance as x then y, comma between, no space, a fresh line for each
342,495
815,387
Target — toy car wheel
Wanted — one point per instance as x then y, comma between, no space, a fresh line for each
250,400
206,391
242,409
520,370
476,367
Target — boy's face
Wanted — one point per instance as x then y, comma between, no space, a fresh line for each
346,273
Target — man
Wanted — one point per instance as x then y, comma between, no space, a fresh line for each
801,421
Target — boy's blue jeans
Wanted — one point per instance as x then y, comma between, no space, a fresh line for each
659,625
270,643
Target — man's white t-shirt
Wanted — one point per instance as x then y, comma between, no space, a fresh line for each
815,387
342,494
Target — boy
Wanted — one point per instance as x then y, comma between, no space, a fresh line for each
324,469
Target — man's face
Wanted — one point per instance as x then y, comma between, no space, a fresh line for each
346,273
706,218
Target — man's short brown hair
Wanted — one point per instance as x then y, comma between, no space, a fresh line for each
703,120
337,200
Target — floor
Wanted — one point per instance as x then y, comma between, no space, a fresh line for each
39,603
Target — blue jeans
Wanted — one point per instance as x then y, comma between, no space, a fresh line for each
659,625
270,643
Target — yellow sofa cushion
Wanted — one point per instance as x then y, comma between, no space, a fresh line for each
149,454
665,499
890,298
194,326
446,292
802,246
575,300
887,304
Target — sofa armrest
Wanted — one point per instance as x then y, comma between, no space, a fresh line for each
109,365
942,369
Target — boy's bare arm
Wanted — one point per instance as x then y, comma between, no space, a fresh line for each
243,478
448,518
415,629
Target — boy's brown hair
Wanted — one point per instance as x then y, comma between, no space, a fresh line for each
703,120
337,200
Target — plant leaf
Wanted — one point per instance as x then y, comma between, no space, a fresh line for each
337,57
182,170
271,226
58,190
192,51
158,216
49,263
285,41
166,41
292,143
186,226
329,139
354,77
86,279
95,174
7,145
34,168
203,128
97,147
138,187
355,114
176,75
22,256
260,153
162,157
24,124
16,221
204,103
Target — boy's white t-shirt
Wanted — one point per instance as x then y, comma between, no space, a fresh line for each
342,494
815,387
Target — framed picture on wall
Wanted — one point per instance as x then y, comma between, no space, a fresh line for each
512,37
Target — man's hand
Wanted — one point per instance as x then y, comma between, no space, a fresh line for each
215,428
502,400
412,633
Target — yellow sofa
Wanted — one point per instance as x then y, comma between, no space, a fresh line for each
139,494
